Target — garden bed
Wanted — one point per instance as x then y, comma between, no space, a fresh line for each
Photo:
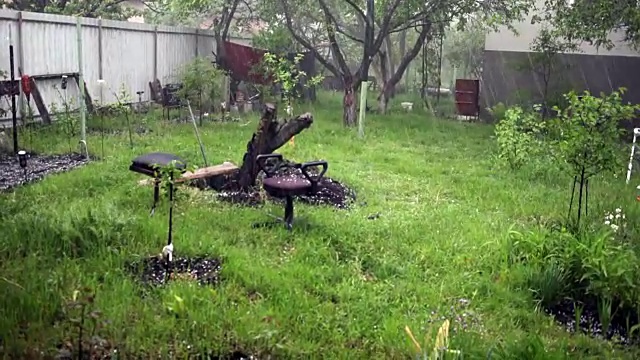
154,271
38,167
329,192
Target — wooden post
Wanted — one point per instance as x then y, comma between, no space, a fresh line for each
363,108
196,42
22,97
100,68
81,102
155,52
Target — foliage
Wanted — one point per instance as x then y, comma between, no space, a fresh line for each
545,62
592,21
202,83
590,131
287,74
106,9
276,39
440,348
338,275
465,49
519,137
589,266
65,118
123,107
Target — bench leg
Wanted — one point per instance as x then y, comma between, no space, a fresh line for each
156,196
287,220
288,212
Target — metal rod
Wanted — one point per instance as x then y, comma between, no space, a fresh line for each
170,235
14,115
83,111
195,126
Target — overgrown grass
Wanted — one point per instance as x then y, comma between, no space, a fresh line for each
345,287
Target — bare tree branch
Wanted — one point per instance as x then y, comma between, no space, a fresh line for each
306,44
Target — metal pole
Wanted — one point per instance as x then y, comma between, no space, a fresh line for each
83,111
14,118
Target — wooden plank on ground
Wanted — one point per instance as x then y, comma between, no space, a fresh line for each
224,168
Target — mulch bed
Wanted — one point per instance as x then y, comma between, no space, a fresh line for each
154,271
38,167
330,192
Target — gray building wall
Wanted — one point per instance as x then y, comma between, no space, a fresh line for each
506,77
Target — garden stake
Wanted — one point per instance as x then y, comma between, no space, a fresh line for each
14,115
195,126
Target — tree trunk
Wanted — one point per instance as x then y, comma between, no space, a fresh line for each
270,136
389,84
349,103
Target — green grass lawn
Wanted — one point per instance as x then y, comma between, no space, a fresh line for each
345,287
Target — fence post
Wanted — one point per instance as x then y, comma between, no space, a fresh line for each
155,53
196,42
83,113
100,60
21,66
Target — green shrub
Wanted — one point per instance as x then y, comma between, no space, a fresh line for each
593,264
519,136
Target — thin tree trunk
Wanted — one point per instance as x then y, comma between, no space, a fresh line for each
349,102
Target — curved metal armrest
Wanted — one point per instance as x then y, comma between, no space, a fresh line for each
312,164
262,159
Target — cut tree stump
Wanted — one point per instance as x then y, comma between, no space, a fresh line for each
203,173
269,137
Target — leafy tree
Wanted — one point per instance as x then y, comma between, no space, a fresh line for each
465,48
589,136
340,20
594,20
221,16
545,62
202,84
107,9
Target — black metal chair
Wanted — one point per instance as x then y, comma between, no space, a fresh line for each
289,186
148,164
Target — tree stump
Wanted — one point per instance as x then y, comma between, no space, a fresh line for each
270,136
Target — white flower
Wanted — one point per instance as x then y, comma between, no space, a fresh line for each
614,227
618,211
607,222
617,216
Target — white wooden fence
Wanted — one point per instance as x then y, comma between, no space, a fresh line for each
121,53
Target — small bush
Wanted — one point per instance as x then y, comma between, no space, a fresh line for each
202,84
519,137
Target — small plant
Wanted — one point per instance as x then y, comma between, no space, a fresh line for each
615,220
123,99
519,137
202,84
589,134
66,119
286,74
440,349
84,324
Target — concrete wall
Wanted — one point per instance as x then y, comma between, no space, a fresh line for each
506,78
122,53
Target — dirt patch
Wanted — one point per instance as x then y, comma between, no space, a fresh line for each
329,192
582,317
38,166
154,270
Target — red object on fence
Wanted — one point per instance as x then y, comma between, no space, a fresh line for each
241,60
26,85
467,97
